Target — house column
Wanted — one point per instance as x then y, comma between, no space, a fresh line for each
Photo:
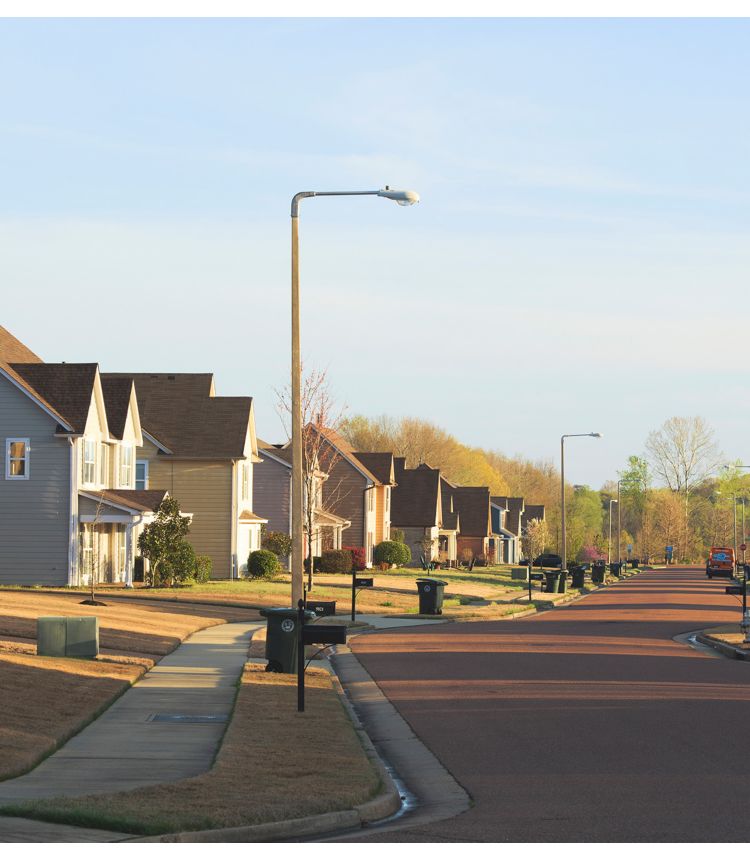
129,555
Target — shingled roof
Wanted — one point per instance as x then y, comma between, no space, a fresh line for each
346,451
451,520
117,402
12,350
415,500
532,512
514,506
177,409
136,500
473,506
380,464
66,387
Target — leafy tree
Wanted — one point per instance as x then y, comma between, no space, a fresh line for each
163,539
278,543
534,539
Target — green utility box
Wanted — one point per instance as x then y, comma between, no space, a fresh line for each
281,638
521,573
73,636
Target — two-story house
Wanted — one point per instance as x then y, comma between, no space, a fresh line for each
201,449
353,492
509,536
475,535
69,507
272,480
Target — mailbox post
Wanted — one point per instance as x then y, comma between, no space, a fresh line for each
313,634
357,583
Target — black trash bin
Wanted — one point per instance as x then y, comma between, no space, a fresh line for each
634,562
616,568
430,595
281,638
598,571
577,576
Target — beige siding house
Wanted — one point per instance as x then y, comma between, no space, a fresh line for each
201,449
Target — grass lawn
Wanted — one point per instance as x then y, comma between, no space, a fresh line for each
394,593
273,764
46,700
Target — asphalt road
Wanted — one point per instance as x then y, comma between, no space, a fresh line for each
587,723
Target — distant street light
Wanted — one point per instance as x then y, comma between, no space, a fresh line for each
609,534
564,566
403,198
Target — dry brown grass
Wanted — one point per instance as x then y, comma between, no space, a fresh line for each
729,634
274,764
46,700
125,626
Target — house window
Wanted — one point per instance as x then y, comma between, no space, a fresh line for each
141,474
371,499
126,465
244,480
16,459
103,465
387,499
87,550
89,461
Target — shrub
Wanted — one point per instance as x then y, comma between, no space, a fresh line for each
262,564
278,543
179,566
359,557
203,568
391,552
336,561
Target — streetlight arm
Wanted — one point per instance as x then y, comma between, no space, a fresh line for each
403,198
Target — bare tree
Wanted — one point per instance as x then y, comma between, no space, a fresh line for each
321,420
95,556
534,539
683,452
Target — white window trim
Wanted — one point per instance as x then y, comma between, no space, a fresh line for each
95,461
143,463
122,484
26,468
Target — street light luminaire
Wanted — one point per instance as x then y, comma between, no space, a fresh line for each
403,198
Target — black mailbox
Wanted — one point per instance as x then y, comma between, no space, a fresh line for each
363,581
733,589
321,607
537,577
324,634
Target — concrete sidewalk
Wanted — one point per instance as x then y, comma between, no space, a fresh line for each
165,728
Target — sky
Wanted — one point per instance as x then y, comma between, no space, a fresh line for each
579,261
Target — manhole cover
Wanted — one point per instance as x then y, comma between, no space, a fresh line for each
188,718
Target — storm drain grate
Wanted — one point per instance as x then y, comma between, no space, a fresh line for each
188,718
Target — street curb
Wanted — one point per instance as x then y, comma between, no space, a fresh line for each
723,647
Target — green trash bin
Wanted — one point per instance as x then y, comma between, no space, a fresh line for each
430,595
281,638
562,584
552,578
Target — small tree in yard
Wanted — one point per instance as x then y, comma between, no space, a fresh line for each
95,561
534,538
162,540
278,543
390,552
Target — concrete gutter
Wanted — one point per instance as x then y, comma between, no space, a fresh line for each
723,647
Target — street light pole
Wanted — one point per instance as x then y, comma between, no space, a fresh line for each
609,534
564,553
619,525
403,198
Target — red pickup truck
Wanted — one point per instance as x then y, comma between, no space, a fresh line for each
720,561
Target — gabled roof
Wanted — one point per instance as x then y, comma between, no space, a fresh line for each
415,500
67,388
380,464
473,506
451,520
532,512
12,350
345,450
514,506
117,401
179,410
278,452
